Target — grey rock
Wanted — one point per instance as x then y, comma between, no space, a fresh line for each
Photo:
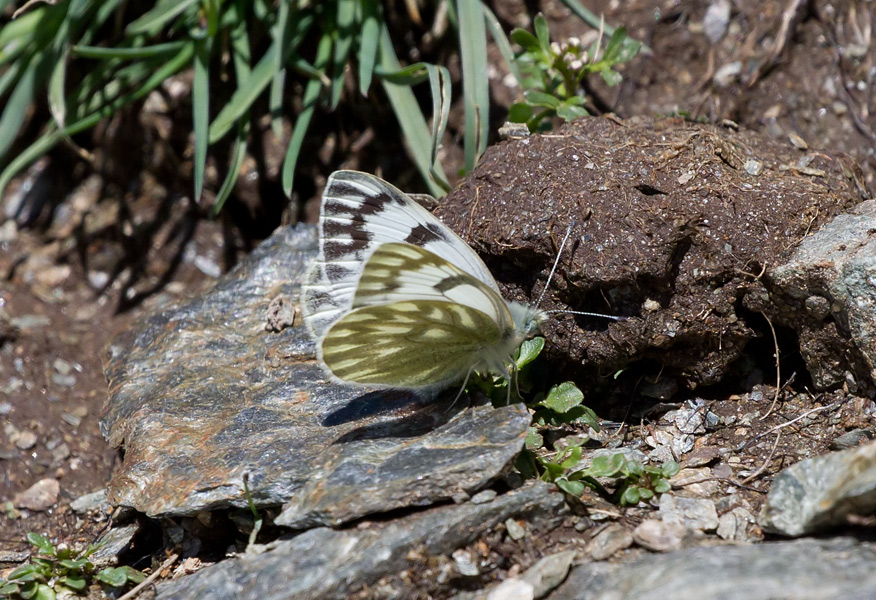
41,496
112,543
608,541
466,564
692,513
327,563
484,496
659,536
798,570
735,526
201,395
716,20
515,530
538,580
835,267
90,502
820,492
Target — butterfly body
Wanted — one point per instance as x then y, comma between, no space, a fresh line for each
396,299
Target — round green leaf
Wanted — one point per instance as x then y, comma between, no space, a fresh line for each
573,488
563,397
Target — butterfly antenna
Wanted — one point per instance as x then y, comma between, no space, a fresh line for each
550,277
556,262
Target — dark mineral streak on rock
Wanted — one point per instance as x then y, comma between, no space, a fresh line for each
325,563
201,394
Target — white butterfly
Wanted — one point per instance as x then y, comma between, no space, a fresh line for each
396,299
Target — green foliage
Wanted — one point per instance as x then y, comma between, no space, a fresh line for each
42,49
552,73
631,481
561,407
61,569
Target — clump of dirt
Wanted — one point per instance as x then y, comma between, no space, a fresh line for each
673,227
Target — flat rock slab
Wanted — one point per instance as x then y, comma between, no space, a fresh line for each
326,563
799,570
203,394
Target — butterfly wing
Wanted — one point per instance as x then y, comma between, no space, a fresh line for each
359,213
417,320
408,344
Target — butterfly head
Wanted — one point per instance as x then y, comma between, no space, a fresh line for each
527,319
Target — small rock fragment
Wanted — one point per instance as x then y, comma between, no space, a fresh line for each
515,530
658,536
691,513
40,496
610,540
25,440
484,496
465,563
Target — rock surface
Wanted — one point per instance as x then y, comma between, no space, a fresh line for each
203,394
325,563
799,570
819,492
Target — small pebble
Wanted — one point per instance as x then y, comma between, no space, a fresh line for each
25,440
465,564
40,496
5,408
610,540
658,536
516,531
483,497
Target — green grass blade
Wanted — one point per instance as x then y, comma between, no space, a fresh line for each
595,22
409,115
249,89
20,100
280,34
152,22
369,40
16,36
57,101
302,123
502,43
241,54
475,83
439,82
201,111
233,174
345,24
101,53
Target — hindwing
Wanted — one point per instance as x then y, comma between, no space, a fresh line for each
359,213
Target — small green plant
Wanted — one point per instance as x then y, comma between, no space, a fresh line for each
61,570
552,73
632,481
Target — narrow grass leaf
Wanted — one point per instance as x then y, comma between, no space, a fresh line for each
439,82
410,117
237,158
502,43
280,34
152,22
369,40
201,111
302,123
345,24
475,83
153,51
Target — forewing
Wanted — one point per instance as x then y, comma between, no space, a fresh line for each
399,272
359,213
408,344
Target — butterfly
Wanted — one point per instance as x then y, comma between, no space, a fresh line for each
395,299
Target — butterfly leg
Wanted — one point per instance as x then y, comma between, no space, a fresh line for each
461,390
